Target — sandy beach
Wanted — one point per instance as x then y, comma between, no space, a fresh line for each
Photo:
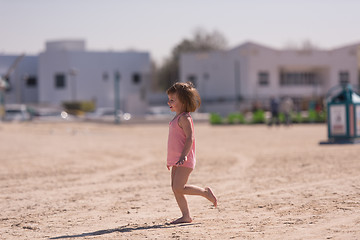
102,181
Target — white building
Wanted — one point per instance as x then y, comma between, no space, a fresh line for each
22,78
233,80
68,72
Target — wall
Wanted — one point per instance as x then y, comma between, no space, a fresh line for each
90,77
235,72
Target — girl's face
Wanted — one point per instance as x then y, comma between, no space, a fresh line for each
174,103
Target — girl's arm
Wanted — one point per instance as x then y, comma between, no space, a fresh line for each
185,124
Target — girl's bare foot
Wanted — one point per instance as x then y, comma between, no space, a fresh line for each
182,220
211,196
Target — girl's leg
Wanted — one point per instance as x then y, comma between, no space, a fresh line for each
181,187
179,178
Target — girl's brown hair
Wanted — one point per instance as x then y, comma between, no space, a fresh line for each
187,94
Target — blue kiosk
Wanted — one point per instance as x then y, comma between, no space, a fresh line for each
343,114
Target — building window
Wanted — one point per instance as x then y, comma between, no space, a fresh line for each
344,77
60,80
105,76
263,78
206,76
299,78
31,81
136,78
193,79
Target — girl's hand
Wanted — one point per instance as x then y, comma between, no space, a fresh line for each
181,161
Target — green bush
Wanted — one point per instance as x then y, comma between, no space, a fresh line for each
316,117
78,107
281,118
215,118
321,117
258,116
297,118
87,106
235,118
311,116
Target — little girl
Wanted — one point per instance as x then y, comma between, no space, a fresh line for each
183,98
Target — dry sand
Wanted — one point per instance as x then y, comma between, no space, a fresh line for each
97,181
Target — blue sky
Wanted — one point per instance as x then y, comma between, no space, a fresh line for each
158,25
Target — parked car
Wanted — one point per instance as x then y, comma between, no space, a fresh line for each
159,113
51,115
17,113
106,115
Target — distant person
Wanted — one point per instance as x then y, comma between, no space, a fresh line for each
274,108
287,108
183,99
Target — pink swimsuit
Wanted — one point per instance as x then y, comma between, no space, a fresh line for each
176,142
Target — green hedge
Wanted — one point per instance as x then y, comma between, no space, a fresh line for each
315,117
297,118
233,118
79,107
215,119
258,117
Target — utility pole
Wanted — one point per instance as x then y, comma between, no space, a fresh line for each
117,96
3,86
237,83
73,73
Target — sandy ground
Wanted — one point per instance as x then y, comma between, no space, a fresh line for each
98,181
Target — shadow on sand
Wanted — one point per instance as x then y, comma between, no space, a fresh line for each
127,228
